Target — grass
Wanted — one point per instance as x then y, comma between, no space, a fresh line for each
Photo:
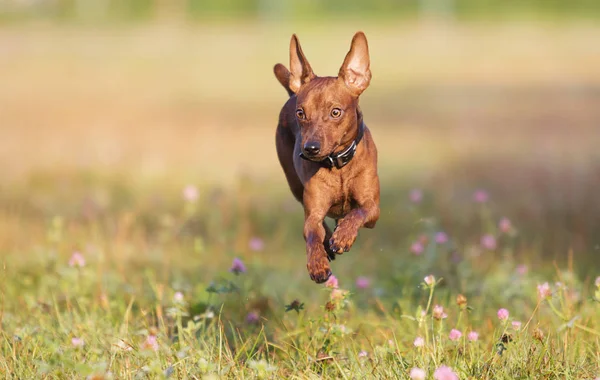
121,217
149,292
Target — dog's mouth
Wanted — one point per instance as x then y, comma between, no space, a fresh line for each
320,156
317,158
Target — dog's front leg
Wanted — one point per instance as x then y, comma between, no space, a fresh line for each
315,209
328,234
346,231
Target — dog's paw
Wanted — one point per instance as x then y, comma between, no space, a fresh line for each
330,252
342,239
318,267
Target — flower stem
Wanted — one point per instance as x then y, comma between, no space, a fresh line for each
555,310
587,329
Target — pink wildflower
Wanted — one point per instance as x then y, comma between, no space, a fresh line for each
178,298
77,260
417,248
332,282
429,280
337,294
544,291
151,343
363,354
416,195
438,312
522,270
237,266
77,342
516,325
505,225
488,242
256,244
363,282
441,237
503,314
480,196
190,193
419,342
454,334
252,317
444,373
417,374
472,336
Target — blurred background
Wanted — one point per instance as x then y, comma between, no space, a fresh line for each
110,108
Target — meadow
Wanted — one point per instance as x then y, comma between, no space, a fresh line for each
146,230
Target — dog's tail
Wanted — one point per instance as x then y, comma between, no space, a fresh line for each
283,76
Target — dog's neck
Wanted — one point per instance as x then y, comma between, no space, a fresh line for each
342,158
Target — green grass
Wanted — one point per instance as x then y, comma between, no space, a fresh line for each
142,243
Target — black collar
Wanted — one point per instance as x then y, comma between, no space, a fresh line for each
341,159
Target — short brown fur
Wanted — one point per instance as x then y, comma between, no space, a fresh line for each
309,124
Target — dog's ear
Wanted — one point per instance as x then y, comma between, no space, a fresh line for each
283,76
300,70
355,70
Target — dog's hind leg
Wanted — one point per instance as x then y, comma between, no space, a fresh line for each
284,142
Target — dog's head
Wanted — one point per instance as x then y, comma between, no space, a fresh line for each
327,107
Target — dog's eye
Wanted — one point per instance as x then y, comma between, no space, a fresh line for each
300,114
336,112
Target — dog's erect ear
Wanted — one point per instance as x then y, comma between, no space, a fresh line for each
355,70
301,72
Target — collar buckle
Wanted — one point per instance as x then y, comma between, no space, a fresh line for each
342,158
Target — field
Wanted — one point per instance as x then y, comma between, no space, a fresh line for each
146,230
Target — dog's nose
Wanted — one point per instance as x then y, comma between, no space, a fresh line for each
312,148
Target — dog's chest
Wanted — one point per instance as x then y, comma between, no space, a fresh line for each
333,184
342,200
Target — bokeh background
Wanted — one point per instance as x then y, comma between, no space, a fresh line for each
146,228
108,109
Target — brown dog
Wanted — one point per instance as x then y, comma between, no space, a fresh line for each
327,153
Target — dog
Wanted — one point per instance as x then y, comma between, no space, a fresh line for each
327,153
